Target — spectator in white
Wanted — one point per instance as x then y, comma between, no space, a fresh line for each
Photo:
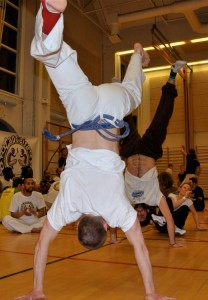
197,194
169,169
52,194
27,210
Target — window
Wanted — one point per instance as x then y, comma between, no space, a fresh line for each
9,21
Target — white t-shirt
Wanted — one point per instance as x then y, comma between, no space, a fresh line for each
187,202
92,183
19,202
53,192
145,189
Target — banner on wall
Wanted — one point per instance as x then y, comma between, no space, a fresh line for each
18,151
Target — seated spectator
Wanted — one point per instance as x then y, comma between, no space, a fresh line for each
52,193
181,175
179,210
170,169
7,179
63,157
197,194
46,182
180,204
27,172
27,210
58,174
7,195
166,183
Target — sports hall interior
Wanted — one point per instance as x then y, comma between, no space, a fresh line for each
103,33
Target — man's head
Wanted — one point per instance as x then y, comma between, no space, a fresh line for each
64,152
28,186
192,182
192,152
47,174
92,231
182,169
143,214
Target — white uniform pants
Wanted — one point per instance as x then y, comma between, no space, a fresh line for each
18,225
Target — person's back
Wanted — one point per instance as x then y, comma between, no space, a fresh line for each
7,195
7,179
92,140
5,201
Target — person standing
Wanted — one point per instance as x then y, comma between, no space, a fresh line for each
193,168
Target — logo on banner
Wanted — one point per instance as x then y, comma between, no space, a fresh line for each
16,153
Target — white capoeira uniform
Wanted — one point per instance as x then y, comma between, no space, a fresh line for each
82,100
92,182
143,189
24,224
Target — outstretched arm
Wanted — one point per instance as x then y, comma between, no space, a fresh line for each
183,150
41,253
136,239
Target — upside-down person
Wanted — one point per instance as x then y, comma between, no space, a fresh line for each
92,184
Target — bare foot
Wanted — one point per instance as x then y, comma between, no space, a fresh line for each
145,56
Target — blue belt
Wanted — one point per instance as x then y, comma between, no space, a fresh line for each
96,124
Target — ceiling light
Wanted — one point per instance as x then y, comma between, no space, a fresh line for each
199,40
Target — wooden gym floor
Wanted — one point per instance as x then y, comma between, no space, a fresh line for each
109,273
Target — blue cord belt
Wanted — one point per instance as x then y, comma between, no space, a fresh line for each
96,124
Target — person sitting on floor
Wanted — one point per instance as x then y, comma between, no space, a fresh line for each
197,194
7,195
27,210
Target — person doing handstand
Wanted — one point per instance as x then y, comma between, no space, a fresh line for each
92,183
141,154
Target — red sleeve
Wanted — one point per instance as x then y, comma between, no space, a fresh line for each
49,18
